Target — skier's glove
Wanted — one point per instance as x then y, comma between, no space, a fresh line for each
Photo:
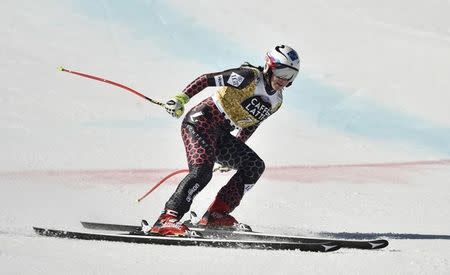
175,106
221,168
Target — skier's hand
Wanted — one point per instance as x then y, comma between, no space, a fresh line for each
175,106
221,168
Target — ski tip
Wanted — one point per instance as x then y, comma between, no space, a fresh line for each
39,230
378,244
329,247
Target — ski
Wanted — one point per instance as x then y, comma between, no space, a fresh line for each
242,235
188,241
356,244
110,226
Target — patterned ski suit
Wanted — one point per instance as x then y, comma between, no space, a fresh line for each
242,102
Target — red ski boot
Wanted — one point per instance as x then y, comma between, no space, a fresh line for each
168,224
217,217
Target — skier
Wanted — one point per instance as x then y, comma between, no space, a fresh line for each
248,95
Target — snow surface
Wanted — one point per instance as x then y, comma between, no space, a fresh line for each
367,155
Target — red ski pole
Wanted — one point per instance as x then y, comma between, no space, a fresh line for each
112,83
138,94
161,182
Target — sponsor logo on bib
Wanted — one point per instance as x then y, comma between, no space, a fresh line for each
257,107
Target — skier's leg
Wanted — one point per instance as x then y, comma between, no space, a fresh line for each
200,160
235,154
200,141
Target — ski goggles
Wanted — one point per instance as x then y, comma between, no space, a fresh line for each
281,70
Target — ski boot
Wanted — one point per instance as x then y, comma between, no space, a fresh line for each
168,224
217,217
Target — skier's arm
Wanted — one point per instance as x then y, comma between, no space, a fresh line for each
175,106
238,77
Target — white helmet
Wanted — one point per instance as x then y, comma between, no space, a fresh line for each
282,61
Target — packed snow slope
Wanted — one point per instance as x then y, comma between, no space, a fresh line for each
359,149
